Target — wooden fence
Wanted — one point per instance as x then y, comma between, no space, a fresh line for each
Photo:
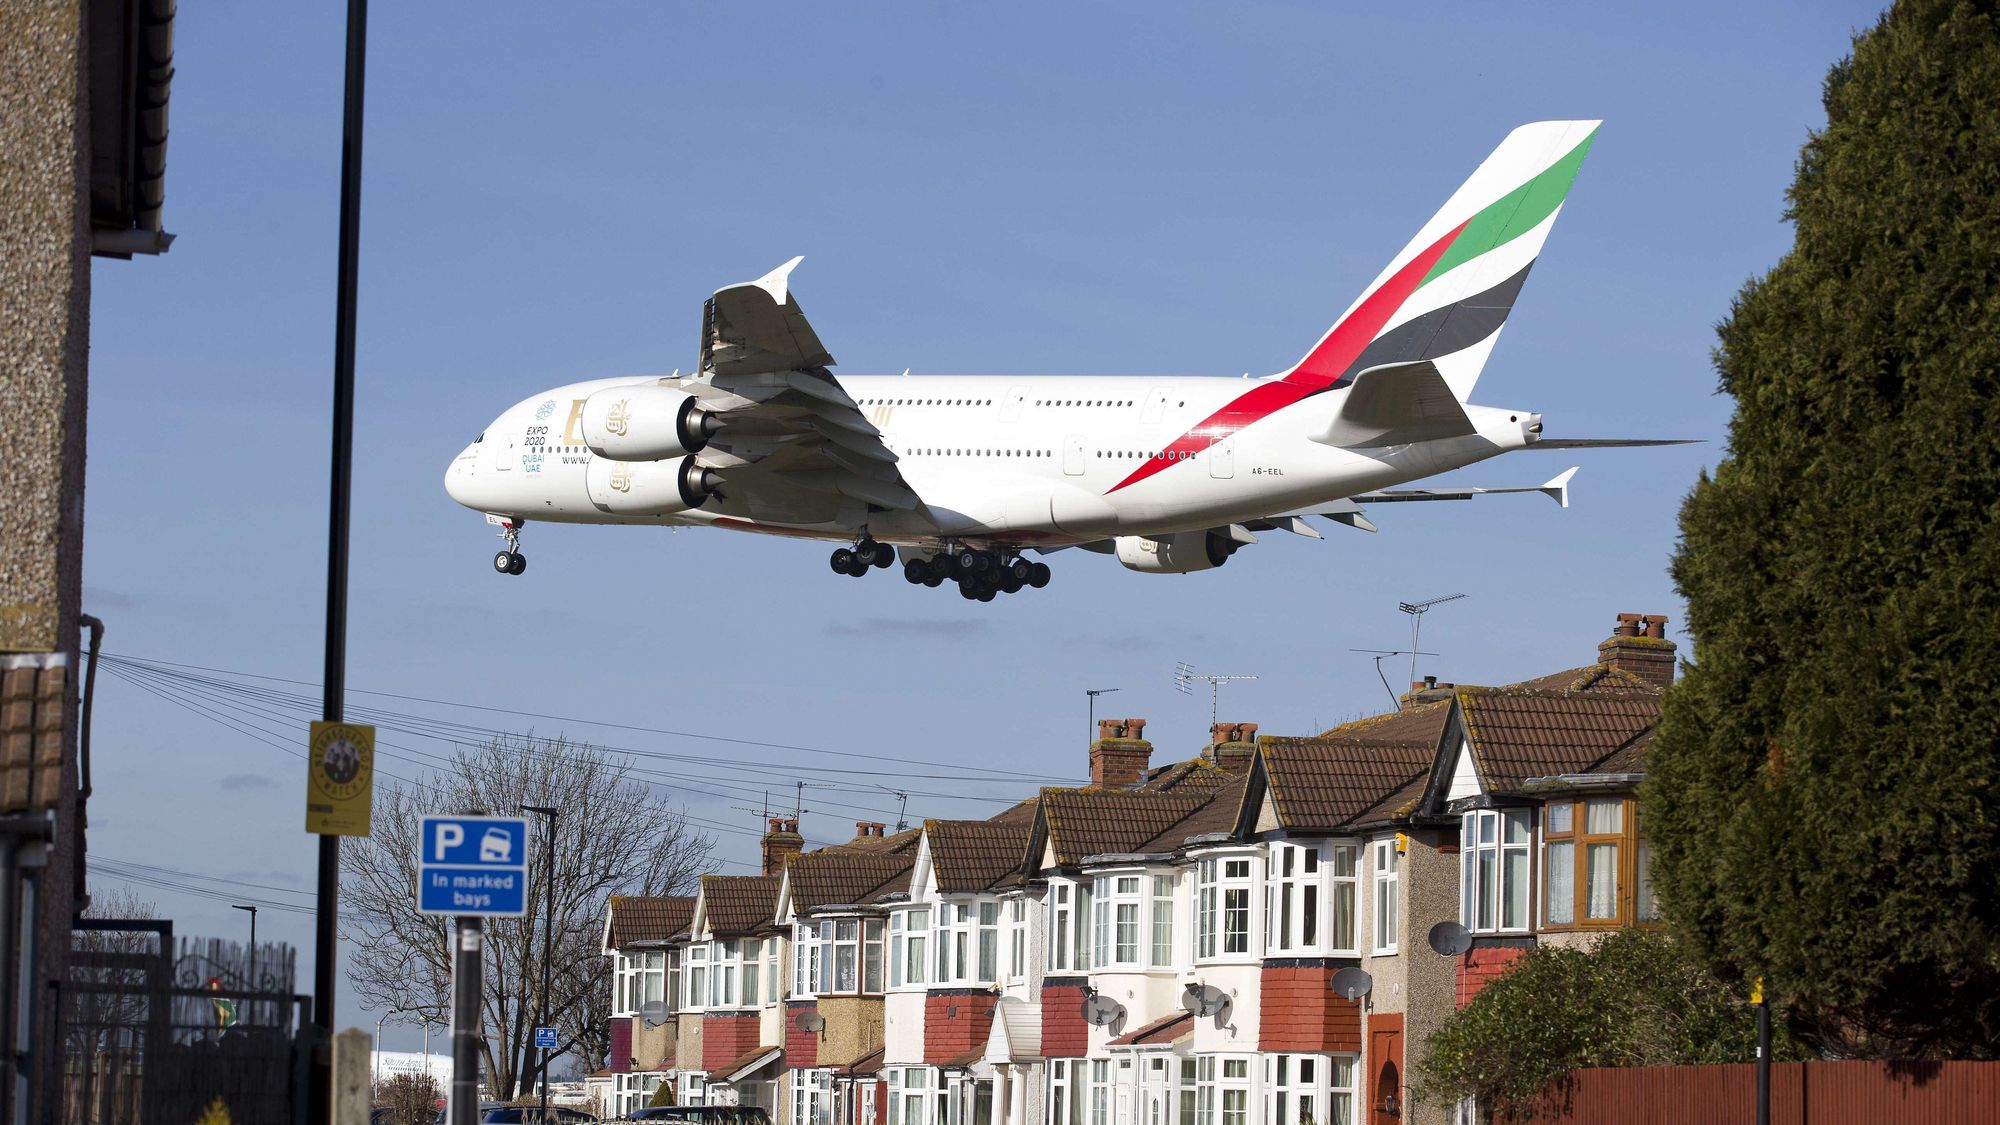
1816,1093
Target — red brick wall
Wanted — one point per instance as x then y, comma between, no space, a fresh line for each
621,1045
1300,1011
1479,966
1064,1034
956,1021
726,1037
801,1047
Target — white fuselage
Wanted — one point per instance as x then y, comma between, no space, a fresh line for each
1026,461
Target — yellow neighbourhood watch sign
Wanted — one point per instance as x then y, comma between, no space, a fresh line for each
340,779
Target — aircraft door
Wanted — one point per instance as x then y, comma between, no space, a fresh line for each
1156,406
1073,455
1010,407
506,450
1222,459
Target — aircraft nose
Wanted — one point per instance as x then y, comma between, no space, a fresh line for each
455,479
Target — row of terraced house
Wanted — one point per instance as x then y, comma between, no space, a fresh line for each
1159,947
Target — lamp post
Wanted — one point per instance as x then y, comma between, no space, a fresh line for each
253,955
548,936
378,1049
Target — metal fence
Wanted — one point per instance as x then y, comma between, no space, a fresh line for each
1813,1093
155,1034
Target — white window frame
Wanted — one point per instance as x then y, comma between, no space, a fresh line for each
911,1090
1327,1079
1017,939
1118,920
1495,868
1216,1077
812,1097
805,961
1062,924
1294,899
1160,920
838,936
696,978
1226,885
909,934
1385,873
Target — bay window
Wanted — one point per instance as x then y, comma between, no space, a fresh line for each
673,990
909,1095
1309,1088
1493,870
1066,1082
1387,871
989,943
909,931
1017,939
1596,864
1116,903
805,960
812,1097
840,955
1309,898
1069,927
871,955
753,972
1222,908
1163,921
697,977
1222,1083
724,958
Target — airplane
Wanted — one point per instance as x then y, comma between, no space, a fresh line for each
961,475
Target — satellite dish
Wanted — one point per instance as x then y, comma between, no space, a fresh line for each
1352,984
655,1012
1099,1010
812,1023
1203,1000
1450,938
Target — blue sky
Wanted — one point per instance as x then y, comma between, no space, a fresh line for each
552,190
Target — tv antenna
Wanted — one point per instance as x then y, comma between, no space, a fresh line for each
1185,677
1381,654
1093,693
1416,610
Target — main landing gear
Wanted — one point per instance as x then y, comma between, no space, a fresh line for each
864,556
511,560
981,575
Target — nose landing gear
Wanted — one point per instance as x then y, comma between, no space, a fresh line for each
511,560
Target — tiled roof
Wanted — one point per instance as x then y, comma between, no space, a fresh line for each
1087,822
744,1064
973,855
1520,733
1166,1029
1631,759
736,905
1217,814
1022,813
1589,678
649,917
1331,780
841,875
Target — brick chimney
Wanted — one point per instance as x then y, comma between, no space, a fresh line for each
868,829
781,843
1230,745
1639,645
1428,690
1119,757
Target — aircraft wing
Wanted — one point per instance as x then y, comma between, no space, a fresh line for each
791,438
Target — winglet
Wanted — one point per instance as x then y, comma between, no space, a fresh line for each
774,282
1557,488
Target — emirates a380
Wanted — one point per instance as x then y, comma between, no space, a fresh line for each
962,475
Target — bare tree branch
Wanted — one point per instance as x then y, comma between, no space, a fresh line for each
614,835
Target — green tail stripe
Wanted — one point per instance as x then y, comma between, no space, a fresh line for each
1514,214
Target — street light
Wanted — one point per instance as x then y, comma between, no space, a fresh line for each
548,937
378,1046
253,955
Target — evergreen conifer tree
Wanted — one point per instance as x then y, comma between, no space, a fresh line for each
1824,797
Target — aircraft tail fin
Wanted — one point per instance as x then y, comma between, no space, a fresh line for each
1445,296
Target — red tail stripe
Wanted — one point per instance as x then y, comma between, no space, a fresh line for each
1315,372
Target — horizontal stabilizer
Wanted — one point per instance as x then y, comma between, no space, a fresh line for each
1556,489
1608,443
1396,404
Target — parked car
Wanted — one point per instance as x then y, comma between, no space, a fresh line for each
532,1115
704,1114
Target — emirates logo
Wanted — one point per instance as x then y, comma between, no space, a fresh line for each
619,419
621,477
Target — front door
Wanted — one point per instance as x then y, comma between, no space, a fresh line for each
1385,1068
1010,407
506,450
1073,455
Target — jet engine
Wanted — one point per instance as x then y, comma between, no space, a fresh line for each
648,488
1180,553
647,422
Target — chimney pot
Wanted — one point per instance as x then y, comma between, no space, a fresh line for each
1231,744
1430,682
1121,754
1639,647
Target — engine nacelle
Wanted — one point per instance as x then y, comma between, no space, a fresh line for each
648,488
646,422
1180,553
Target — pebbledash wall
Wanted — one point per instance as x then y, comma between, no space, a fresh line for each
963,1000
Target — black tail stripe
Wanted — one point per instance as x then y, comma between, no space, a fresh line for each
1441,331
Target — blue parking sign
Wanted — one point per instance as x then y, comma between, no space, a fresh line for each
473,865
545,1038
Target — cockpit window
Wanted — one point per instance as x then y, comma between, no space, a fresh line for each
480,438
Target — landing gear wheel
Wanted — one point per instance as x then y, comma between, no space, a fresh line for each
967,563
985,594
916,572
503,562
842,561
1039,575
968,591
934,580
519,564
1019,570
884,555
1008,583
